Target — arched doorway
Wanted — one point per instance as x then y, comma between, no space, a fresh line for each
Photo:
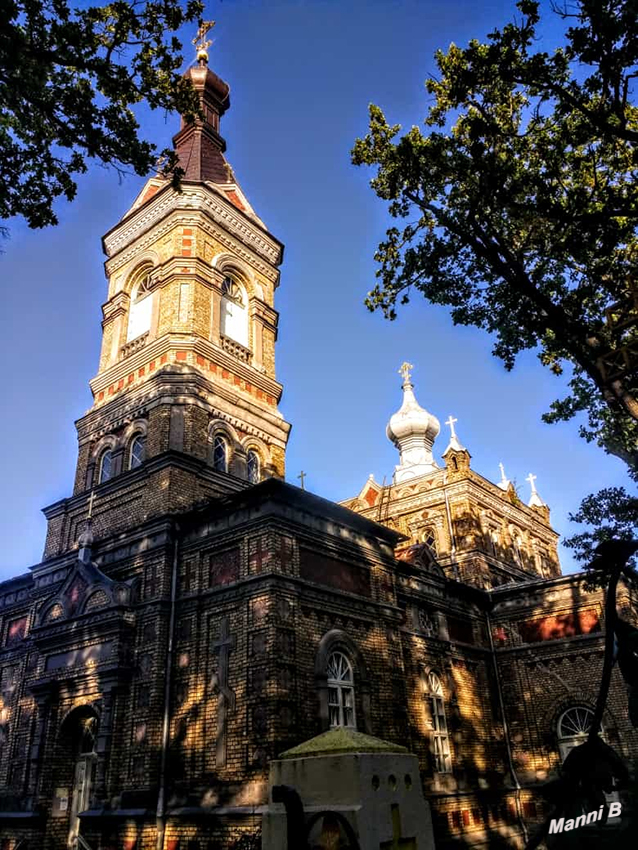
80,733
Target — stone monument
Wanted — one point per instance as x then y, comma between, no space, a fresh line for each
347,790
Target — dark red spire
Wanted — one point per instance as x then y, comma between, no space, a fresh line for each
199,146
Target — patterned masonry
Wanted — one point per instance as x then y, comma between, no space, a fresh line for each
193,615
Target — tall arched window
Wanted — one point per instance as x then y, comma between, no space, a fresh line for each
518,548
438,724
105,466
220,453
340,691
234,311
141,307
137,452
253,467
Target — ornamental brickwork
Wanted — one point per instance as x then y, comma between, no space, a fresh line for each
181,629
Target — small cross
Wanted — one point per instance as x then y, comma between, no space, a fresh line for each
502,468
397,843
451,422
532,478
406,372
91,499
302,476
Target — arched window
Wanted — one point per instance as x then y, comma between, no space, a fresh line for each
220,453
105,467
438,724
429,538
518,548
252,467
340,691
573,728
234,311
137,452
140,310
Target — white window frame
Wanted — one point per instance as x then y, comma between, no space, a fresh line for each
140,309
220,440
254,478
234,311
440,738
101,478
138,438
341,699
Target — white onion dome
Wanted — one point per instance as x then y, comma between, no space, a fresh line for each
413,431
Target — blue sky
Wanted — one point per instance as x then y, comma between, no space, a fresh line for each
302,75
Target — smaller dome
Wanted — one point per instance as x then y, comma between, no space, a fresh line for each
413,431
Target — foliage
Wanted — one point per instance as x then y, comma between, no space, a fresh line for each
520,203
610,514
69,78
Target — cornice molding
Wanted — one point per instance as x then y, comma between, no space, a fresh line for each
150,223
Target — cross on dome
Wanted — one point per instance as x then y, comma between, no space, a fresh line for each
406,372
531,478
201,43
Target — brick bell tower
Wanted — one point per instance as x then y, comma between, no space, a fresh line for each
185,396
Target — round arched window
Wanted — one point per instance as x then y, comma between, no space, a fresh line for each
340,690
137,452
220,453
106,466
252,467
140,310
234,311
573,728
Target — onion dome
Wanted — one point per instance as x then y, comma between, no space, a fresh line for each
413,431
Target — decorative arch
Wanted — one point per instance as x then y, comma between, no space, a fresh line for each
227,263
333,641
136,431
254,444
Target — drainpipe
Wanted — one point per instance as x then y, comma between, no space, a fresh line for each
506,731
455,566
160,816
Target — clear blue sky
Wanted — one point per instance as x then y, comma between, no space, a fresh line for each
302,75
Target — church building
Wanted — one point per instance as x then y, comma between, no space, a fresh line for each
193,615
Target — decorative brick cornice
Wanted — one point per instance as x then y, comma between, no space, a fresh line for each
193,199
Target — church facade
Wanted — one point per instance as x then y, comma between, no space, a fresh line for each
194,615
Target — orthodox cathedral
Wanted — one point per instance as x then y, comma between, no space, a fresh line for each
194,615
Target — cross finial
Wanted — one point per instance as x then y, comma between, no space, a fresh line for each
532,478
406,372
451,422
302,476
200,41
502,468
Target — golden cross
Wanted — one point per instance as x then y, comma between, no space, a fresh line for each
405,372
200,41
91,499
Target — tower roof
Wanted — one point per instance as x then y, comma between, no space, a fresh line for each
199,145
